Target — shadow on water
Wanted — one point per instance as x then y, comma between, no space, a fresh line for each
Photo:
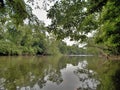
116,80
58,73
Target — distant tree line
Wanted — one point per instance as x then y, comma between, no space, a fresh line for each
76,50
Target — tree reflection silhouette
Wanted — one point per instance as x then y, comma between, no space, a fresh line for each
116,79
53,73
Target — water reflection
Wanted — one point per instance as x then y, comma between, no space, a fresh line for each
56,73
71,78
116,79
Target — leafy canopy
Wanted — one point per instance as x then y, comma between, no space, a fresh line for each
74,18
77,18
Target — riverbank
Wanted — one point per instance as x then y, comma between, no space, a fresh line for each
112,57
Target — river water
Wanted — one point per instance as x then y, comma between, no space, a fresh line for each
58,73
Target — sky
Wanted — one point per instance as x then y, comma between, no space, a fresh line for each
40,12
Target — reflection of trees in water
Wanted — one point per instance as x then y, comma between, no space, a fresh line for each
51,74
54,76
108,73
41,82
26,73
86,77
116,79
16,76
72,60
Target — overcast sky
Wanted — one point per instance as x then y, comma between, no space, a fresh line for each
40,13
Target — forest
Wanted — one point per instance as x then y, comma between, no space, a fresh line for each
22,33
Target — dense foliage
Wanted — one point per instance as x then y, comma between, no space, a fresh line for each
77,18
21,32
75,49
109,33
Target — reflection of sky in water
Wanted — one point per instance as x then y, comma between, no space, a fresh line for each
74,78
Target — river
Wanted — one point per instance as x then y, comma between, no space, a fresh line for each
58,73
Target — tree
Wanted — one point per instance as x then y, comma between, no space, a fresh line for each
109,33
77,18
21,32
72,18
